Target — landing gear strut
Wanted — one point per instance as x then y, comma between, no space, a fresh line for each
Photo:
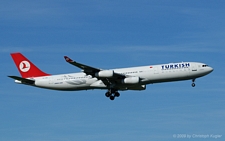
193,83
112,93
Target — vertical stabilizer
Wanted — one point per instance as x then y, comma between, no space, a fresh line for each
26,68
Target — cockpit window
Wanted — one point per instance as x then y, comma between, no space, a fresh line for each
204,65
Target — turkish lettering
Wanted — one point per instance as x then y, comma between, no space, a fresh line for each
175,66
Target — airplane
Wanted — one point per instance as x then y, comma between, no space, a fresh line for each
112,80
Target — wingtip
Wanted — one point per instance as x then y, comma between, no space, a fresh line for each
68,59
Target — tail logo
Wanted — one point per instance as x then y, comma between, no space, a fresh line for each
24,66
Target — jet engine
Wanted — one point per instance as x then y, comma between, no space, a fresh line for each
105,73
131,80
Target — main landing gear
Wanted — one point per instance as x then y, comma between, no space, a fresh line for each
193,83
111,93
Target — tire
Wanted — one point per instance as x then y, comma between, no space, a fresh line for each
107,94
112,97
117,94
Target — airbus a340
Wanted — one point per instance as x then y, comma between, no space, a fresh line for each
113,80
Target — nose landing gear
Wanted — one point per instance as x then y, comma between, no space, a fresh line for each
193,83
111,93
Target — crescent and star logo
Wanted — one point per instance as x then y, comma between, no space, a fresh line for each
24,66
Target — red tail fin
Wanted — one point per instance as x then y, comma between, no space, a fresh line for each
26,67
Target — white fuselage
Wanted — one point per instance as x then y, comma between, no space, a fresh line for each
147,74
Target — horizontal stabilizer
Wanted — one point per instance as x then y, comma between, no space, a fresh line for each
23,80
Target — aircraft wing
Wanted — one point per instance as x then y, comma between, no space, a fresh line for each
23,80
92,71
87,69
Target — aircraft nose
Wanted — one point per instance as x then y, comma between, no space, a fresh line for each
210,69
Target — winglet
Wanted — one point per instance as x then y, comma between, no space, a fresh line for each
68,59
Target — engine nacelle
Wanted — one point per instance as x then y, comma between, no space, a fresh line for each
131,80
105,73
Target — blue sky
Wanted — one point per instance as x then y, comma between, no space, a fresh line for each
112,34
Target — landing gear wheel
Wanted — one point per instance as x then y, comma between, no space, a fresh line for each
117,94
112,97
107,94
112,94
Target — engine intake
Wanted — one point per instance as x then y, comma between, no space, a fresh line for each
105,73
